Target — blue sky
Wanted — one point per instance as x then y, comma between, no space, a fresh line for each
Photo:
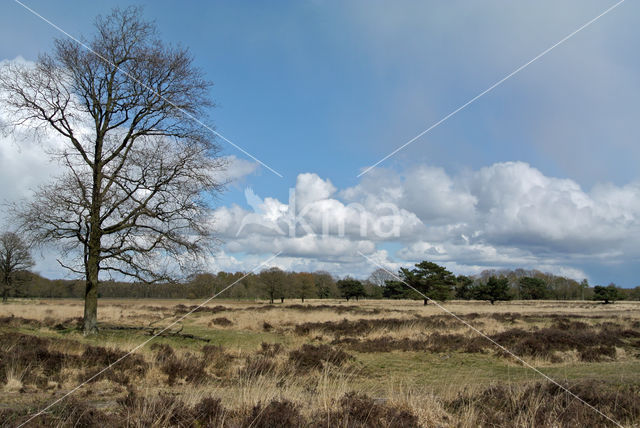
328,88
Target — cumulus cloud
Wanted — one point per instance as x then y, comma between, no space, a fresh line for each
520,206
311,188
504,215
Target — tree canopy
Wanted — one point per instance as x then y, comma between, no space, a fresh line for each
493,290
426,279
350,287
608,294
533,288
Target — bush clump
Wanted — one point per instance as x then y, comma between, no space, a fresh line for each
359,411
270,349
276,414
189,367
221,321
548,405
310,357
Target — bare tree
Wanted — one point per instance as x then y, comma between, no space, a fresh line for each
15,260
380,277
139,171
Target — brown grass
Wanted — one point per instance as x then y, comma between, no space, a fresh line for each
320,364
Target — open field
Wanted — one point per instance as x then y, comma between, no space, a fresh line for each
322,363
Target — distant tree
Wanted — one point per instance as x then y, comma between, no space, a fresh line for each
464,285
273,281
533,288
430,279
395,290
15,261
200,285
634,293
493,290
380,277
350,287
584,285
372,291
608,294
325,285
305,286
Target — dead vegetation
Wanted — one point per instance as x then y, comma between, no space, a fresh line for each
548,405
310,357
314,366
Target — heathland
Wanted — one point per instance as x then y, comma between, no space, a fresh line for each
322,363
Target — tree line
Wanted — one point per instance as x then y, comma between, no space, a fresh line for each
275,285
430,281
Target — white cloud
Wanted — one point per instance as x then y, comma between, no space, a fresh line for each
311,188
237,169
505,215
518,205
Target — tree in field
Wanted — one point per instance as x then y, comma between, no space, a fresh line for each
350,287
493,290
274,282
138,170
464,287
304,285
533,288
395,290
15,261
430,279
608,294
325,284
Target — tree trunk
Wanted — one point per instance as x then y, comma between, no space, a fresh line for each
91,308
425,301
5,294
92,248
303,299
492,302
92,267
91,298
282,300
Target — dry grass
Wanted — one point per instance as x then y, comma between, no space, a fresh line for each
325,363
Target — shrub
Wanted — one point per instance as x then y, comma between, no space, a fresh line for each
359,410
310,357
190,368
221,321
209,412
544,404
270,349
598,353
276,414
